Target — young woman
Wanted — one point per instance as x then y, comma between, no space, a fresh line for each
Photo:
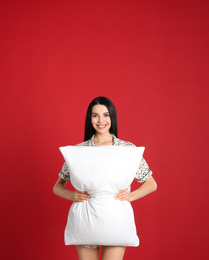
101,129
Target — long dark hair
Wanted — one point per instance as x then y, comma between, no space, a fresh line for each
89,130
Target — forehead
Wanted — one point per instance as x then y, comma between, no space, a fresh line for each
99,109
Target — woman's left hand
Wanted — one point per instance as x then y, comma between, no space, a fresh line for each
123,195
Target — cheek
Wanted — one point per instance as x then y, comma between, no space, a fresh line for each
93,121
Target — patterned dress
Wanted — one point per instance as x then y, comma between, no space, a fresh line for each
142,174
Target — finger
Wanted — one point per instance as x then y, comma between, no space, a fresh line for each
83,192
120,191
79,197
119,196
84,197
122,197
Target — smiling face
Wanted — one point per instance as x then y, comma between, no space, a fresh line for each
100,119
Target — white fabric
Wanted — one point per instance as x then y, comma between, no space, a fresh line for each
101,171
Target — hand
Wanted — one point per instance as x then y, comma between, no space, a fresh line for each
80,196
123,195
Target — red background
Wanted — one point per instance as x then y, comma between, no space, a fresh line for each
151,59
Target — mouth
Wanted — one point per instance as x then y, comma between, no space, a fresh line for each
101,126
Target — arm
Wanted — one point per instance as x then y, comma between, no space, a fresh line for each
147,187
60,190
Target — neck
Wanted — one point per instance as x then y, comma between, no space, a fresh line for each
103,139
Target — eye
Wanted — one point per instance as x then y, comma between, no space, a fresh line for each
94,115
106,115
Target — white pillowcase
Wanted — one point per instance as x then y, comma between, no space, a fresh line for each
101,171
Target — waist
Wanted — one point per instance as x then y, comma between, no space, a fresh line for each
102,194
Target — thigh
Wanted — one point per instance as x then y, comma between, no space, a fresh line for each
87,253
113,252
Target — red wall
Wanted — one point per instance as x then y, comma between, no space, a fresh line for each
151,59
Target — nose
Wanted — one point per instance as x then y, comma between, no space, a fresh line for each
100,119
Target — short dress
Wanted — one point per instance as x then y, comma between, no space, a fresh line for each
142,174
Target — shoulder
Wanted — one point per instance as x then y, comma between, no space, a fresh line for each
120,142
85,143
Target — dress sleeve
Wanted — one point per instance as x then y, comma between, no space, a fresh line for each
65,174
143,172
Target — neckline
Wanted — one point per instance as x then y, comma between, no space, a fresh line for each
93,144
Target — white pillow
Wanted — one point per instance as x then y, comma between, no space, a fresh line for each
101,171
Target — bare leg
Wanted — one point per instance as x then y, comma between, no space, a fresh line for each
113,252
87,253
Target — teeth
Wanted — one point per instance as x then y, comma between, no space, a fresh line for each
101,126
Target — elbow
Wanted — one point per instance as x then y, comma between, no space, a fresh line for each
55,189
154,185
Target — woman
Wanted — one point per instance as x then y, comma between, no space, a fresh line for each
101,129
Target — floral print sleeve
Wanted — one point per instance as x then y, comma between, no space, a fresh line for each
64,174
143,172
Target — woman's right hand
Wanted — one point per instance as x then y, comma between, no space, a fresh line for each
80,196
76,196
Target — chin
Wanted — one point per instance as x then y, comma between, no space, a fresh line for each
103,131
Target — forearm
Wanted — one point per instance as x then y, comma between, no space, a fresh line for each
76,196
62,192
146,188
